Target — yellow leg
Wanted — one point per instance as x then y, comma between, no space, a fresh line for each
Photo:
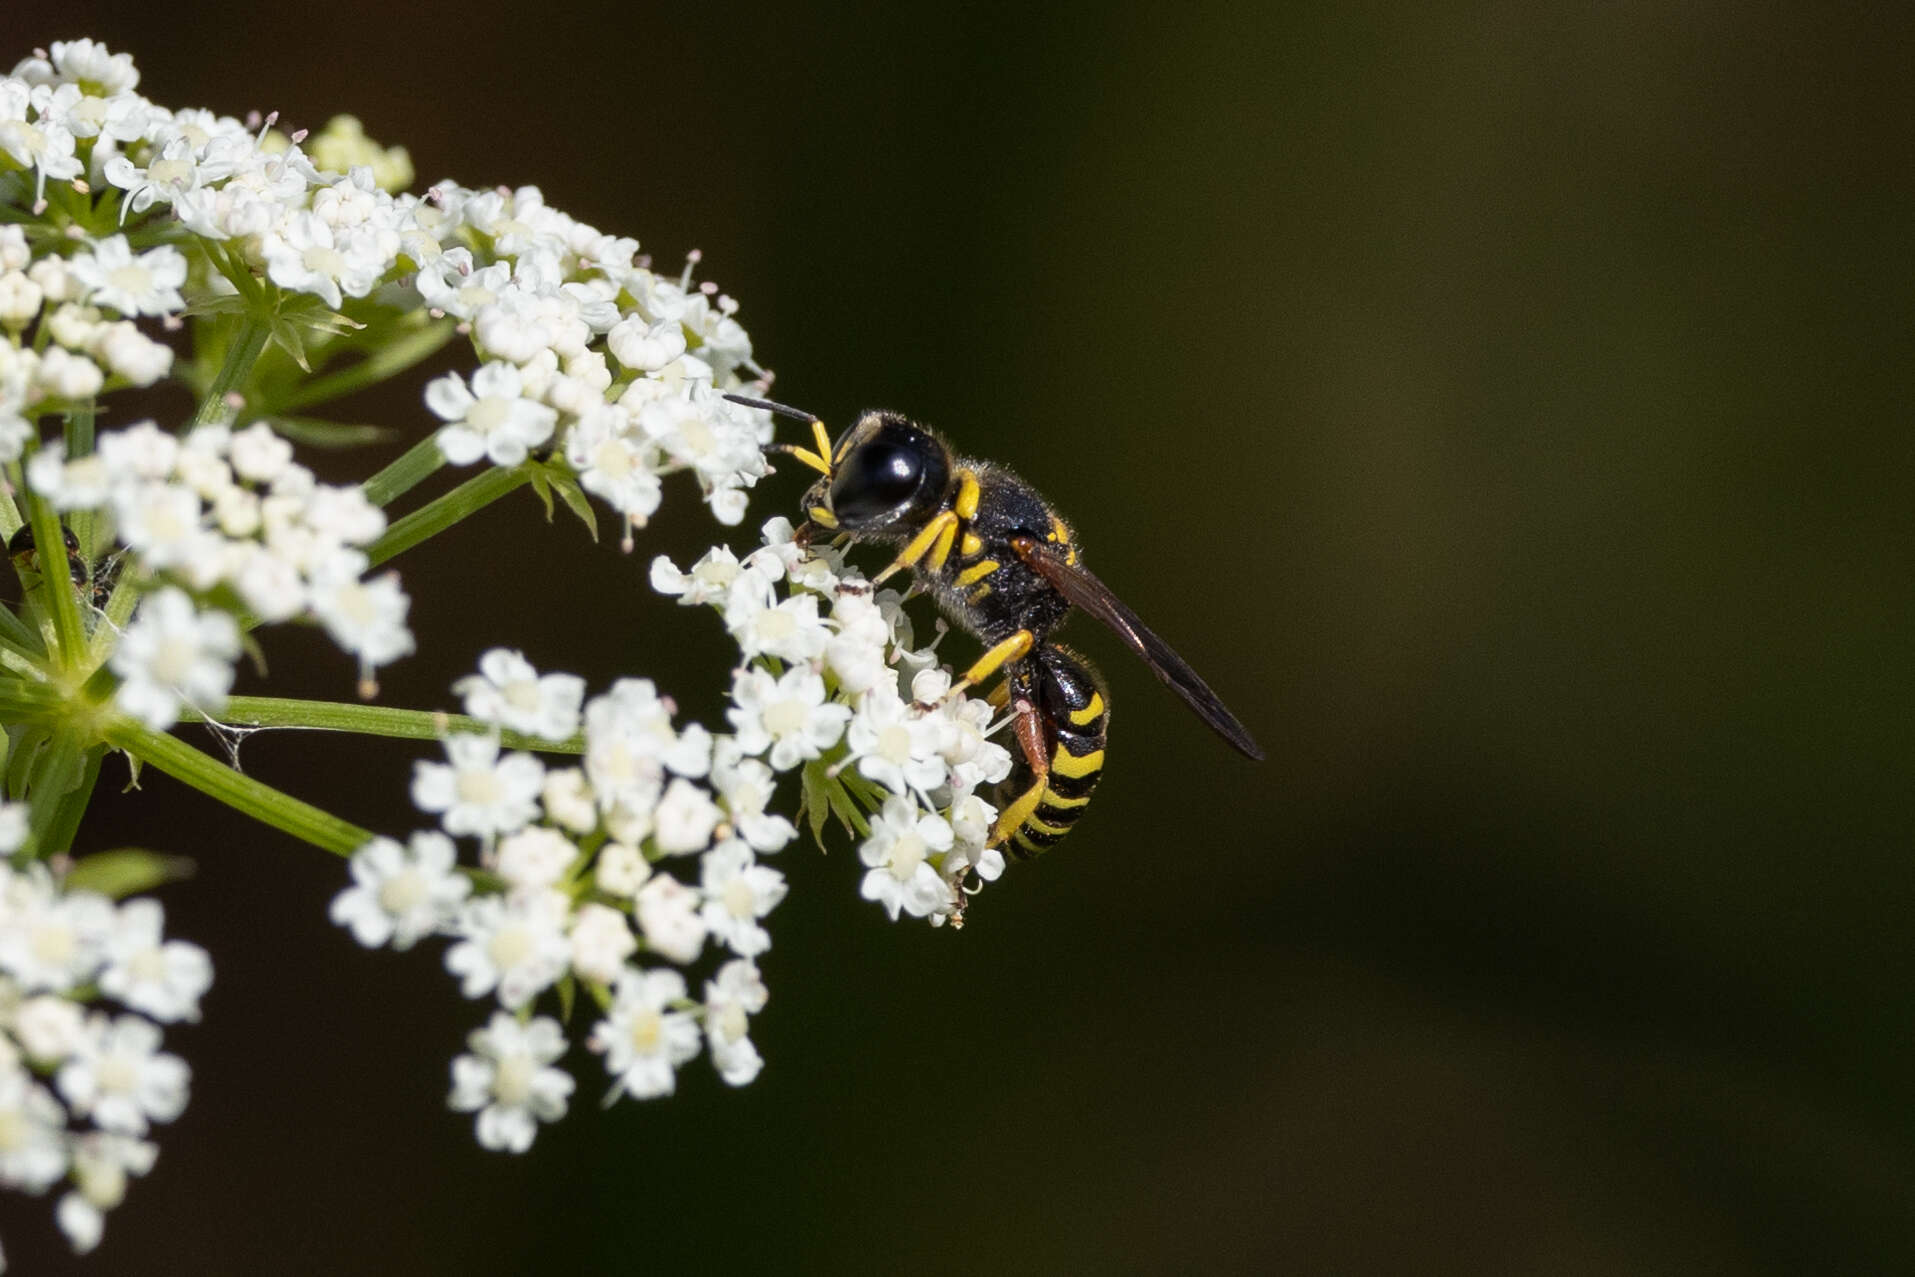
943,525
967,497
1014,648
942,550
1013,816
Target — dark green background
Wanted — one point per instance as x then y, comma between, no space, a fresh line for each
1505,406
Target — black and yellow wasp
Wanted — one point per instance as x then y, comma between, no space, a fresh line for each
1003,565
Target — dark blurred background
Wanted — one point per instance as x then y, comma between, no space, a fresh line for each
1505,406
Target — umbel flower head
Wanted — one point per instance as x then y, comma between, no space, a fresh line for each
596,869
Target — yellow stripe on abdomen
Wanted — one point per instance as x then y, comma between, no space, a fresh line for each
1065,763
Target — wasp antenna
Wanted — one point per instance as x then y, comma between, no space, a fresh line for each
783,410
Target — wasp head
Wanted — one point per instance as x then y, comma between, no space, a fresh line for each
886,471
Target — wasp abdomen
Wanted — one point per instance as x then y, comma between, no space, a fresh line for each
1035,812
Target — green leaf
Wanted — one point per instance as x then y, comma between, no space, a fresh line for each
331,434
56,772
543,486
18,633
576,501
28,738
845,810
57,836
814,803
287,337
568,988
126,871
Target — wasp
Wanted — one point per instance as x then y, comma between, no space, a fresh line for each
26,557
1003,565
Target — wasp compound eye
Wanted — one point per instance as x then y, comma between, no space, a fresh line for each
874,480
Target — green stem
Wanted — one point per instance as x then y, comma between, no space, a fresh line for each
248,342
239,791
20,699
79,443
436,516
56,587
419,461
375,720
393,355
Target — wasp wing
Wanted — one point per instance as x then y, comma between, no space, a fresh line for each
1086,591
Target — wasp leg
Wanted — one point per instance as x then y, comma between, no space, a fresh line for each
942,526
1014,648
1029,729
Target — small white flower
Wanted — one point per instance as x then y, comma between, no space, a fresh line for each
601,941
102,1162
258,454
478,792
131,355
788,715
48,1027
685,818
61,374
33,1150
568,801
118,1076
401,893
51,942
709,581
630,744
516,946
746,786
491,419
162,978
173,655
535,858
112,276
622,869
790,630
20,299
161,522
856,652
894,744
79,484
668,916
366,618
45,145
738,892
730,1000
615,462
82,61
701,434
971,820
643,346
508,1080
507,691
307,254
901,877
643,1039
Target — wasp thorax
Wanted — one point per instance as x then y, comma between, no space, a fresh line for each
887,470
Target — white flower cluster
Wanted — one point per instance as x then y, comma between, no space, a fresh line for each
574,891
831,681
80,1086
63,346
587,350
226,515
